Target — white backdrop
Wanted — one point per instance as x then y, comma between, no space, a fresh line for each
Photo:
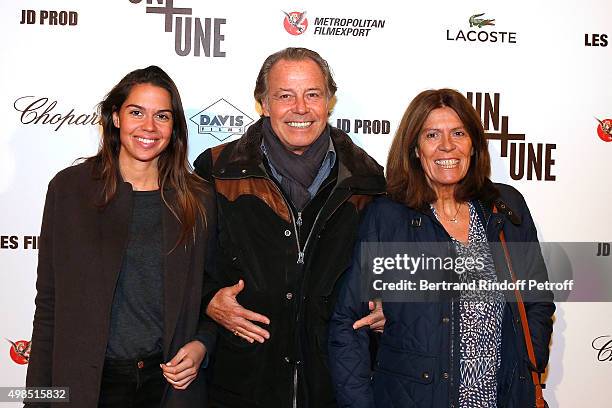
550,66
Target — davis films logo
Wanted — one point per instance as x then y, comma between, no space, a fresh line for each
477,21
530,161
221,120
296,23
191,34
604,129
20,351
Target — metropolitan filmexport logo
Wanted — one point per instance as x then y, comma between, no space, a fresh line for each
295,22
604,129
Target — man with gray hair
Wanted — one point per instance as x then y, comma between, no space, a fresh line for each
289,195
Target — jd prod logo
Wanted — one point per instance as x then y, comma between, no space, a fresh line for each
531,161
20,351
603,249
295,22
483,36
49,17
221,120
604,129
364,126
191,34
603,345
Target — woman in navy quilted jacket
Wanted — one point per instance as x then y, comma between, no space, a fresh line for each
466,347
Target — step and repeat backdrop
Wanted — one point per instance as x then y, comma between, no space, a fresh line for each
538,73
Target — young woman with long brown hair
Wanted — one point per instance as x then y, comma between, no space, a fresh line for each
124,247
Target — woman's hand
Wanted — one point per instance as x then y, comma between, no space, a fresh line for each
376,319
185,365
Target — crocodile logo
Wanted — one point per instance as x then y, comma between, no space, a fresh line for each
476,21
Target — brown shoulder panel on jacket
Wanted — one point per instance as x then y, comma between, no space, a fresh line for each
258,187
216,151
360,201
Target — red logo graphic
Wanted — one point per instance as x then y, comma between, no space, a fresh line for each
295,22
20,351
604,130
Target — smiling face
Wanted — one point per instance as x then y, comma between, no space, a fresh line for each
444,149
297,103
145,122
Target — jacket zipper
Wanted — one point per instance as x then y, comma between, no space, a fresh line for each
295,384
451,364
301,252
297,223
452,354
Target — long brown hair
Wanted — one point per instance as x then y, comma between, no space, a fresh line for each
406,179
174,169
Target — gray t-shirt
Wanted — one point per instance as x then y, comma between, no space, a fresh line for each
136,328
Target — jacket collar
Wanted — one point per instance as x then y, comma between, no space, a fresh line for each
357,171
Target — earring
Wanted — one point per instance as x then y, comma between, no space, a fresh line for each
416,152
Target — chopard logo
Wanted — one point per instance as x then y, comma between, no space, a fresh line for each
41,111
603,345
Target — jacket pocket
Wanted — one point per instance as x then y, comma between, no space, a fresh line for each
237,367
404,378
407,364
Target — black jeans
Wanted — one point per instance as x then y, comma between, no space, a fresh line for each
132,383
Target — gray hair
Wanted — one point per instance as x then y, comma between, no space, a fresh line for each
292,54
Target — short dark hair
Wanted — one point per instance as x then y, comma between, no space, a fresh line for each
292,54
406,179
